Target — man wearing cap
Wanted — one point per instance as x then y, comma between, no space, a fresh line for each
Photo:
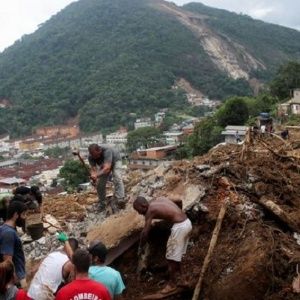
104,274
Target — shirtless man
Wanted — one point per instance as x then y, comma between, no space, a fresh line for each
165,209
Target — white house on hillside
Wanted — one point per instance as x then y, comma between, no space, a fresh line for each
292,106
230,133
144,122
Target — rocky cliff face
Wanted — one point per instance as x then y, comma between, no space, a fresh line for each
228,56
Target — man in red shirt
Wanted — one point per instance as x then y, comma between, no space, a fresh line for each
82,287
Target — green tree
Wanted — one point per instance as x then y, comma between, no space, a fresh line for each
143,137
264,102
74,173
206,135
286,79
234,112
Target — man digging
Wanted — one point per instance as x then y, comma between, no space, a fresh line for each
165,209
105,160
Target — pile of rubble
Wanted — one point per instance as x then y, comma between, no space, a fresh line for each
74,213
258,248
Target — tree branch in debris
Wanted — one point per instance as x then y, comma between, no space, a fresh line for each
279,213
211,248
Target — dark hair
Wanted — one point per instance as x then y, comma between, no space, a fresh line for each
140,201
15,207
18,197
99,250
35,190
73,243
81,260
22,190
6,274
93,147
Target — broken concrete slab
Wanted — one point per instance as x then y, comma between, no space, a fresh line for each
192,195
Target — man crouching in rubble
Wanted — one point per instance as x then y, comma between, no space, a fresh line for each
165,209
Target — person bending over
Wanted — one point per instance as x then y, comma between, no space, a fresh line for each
165,209
54,270
105,160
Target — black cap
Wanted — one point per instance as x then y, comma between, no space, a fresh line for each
98,249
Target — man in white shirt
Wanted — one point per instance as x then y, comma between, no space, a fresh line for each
53,271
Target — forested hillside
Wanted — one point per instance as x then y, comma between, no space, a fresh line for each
103,60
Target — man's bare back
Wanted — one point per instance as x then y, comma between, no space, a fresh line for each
165,209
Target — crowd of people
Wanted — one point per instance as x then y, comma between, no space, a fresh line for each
73,272
65,273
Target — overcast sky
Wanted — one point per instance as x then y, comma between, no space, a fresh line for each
19,17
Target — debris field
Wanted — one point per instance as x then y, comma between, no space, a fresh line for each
258,246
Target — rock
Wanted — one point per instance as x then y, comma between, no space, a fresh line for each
46,225
52,230
25,238
202,168
192,195
41,241
297,237
202,207
51,221
212,171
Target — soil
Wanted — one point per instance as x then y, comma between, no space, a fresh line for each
68,207
116,228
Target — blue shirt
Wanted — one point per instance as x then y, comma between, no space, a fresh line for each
108,277
10,244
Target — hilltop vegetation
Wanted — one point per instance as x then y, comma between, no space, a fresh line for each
103,60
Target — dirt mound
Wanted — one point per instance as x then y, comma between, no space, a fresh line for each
116,227
69,207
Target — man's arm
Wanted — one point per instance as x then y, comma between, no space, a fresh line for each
62,237
147,227
68,272
7,247
106,168
107,163
68,249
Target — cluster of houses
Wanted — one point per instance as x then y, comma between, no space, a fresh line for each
15,169
150,158
47,138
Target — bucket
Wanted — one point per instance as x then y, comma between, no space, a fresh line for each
35,230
